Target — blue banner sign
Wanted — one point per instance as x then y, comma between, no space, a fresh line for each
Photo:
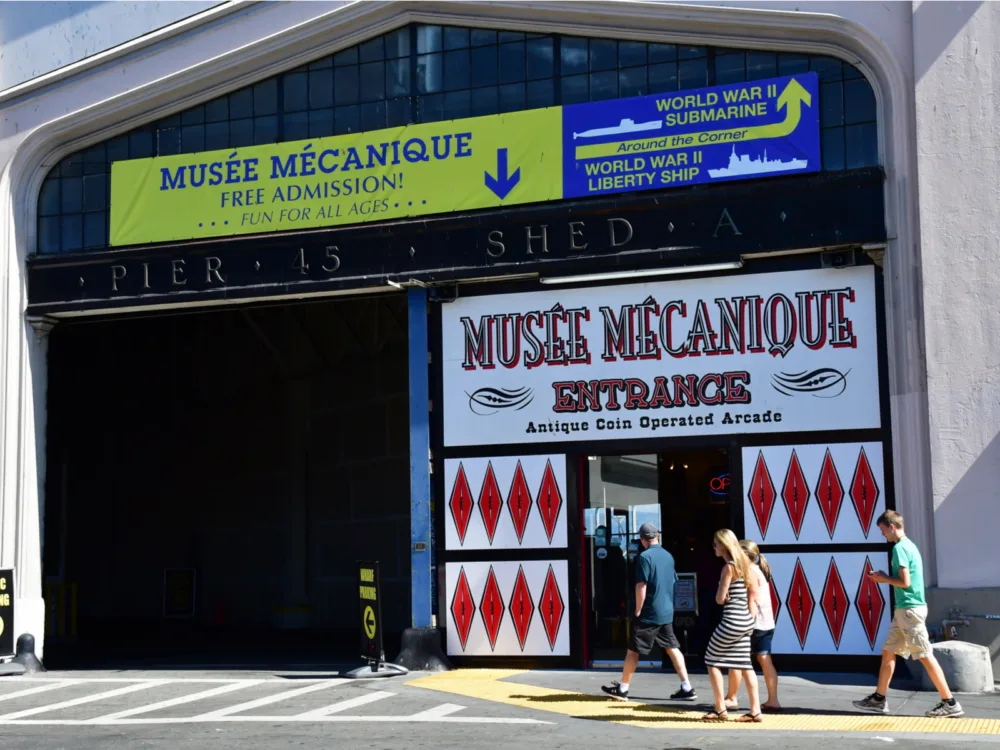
732,132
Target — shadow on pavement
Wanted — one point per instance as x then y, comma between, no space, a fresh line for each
670,712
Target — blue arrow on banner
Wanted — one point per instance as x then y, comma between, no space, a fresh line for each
503,183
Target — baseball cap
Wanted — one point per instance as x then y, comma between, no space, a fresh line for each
649,531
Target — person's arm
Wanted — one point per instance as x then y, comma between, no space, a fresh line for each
640,597
901,564
641,576
902,580
724,580
752,592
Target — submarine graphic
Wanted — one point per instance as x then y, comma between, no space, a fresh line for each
625,126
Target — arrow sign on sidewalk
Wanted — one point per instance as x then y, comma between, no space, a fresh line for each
503,183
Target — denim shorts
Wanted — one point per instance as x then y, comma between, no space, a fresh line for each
760,642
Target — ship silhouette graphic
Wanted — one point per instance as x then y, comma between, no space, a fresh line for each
625,126
743,164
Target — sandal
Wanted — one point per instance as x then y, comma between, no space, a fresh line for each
716,716
747,718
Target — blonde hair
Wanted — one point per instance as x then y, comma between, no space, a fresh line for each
753,552
735,553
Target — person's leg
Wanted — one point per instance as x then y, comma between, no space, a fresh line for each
680,666
948,707
639,644
885,672
877,702
734,685
750,677
936,674
631,662
770,679
718,689
667,640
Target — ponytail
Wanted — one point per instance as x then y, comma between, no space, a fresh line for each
753,552
764,567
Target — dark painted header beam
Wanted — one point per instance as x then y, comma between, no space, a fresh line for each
694,225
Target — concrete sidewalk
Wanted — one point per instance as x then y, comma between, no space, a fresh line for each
812,702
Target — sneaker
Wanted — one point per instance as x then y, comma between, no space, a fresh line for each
615,691
684,695
873,703
943,711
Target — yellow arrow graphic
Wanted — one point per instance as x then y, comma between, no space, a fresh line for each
791,100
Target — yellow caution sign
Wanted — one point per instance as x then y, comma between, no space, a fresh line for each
371,612
7,603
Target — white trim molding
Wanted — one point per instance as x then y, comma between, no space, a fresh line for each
237,44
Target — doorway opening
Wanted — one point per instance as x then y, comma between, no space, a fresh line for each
686,493
213,476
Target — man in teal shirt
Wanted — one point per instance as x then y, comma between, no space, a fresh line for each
907,635
653,624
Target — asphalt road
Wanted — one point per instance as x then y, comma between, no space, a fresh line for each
188,710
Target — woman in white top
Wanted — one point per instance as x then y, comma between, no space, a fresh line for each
760,641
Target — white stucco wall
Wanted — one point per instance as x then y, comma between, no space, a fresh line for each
39,37
958,134
953,75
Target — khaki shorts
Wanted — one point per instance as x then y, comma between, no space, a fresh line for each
908,634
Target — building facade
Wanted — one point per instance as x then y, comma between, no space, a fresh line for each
473,322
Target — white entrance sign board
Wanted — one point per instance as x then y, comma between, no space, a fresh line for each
750,353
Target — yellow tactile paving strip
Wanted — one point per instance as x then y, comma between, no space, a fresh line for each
487,684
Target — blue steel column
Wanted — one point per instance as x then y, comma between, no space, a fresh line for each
420,478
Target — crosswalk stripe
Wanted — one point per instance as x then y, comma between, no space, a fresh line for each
83,700
437,712
337,718
268,700
39,689
211,692
336,708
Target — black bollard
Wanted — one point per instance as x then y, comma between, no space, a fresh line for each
25,654
422,652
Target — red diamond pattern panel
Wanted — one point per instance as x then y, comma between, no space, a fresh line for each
795,493
551,607
800,603
549,501
519,502
870,603
460,504
864,492
491,608
775,601
463,608
834,603
522,609
490,502
829,493
762,494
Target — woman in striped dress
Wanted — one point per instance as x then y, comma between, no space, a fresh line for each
729,647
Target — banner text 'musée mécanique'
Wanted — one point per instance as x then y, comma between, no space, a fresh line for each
750,324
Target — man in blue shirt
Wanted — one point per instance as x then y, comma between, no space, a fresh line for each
653,623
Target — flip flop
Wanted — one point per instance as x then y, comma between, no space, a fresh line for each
716,716
771,709
747,718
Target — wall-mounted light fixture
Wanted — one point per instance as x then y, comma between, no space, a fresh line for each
670,271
